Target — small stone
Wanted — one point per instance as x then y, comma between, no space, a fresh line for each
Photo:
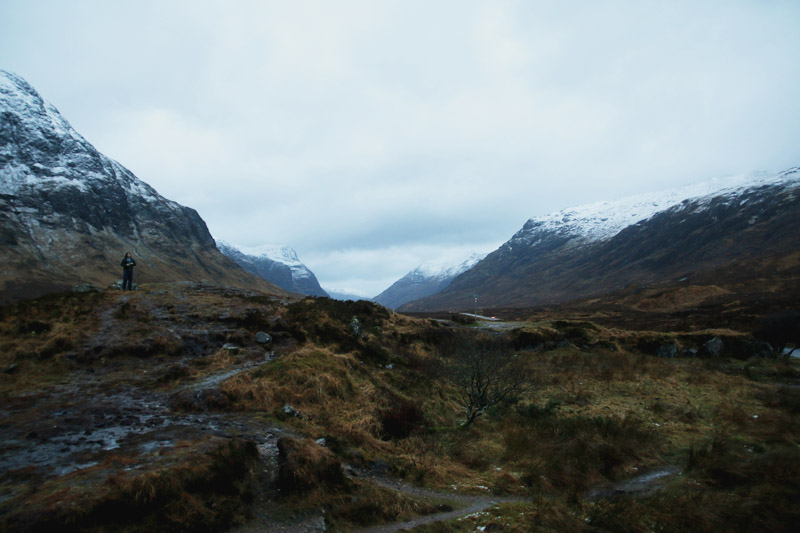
263,338
291,411
83,287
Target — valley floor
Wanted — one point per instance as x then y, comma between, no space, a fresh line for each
159,410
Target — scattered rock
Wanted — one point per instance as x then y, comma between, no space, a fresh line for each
84,287
355,326
230,347
288,410
10,369
117,285
321,442
263,338
668,350
713,348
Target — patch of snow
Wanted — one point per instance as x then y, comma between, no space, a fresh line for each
277,253
602,220
443,270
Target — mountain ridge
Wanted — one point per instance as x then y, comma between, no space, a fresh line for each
555,258
276,264
426,279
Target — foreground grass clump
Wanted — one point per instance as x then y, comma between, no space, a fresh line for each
205,489
727,484
576,452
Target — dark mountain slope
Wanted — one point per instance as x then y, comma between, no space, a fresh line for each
745,232
68,213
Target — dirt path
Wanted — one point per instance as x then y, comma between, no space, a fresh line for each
465,504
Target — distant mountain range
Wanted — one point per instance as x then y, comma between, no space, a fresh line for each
738,231
426,279
345,295
276,264
68,213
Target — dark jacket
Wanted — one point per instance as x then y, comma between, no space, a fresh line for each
128,263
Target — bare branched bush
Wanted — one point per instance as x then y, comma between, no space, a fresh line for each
487,373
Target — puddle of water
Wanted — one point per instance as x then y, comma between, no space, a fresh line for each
153,445
639,485
216,379
73,467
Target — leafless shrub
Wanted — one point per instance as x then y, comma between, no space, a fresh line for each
487,373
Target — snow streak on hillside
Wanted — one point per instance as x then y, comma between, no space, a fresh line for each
602,220
278,254
437,270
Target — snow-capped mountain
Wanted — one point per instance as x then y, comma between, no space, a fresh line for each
428,278
346,295
68,213
276,264
744,226
603,220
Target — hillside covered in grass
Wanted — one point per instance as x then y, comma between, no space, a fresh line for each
194,407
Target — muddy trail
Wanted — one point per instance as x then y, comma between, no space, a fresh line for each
119,383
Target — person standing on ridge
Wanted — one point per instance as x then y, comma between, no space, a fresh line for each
127,271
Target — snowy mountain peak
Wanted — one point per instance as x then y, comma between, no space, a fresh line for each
277,253
446,269
428,278
44,151
68,212
277,264
602,220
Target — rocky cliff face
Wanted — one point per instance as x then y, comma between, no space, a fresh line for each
743,231
68,213
276,264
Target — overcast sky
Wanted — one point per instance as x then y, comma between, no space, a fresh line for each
371,136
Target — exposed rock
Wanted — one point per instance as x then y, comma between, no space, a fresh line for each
668,350
263,338
84,287
291,411
713,347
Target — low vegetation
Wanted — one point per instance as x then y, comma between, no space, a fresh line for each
551,414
